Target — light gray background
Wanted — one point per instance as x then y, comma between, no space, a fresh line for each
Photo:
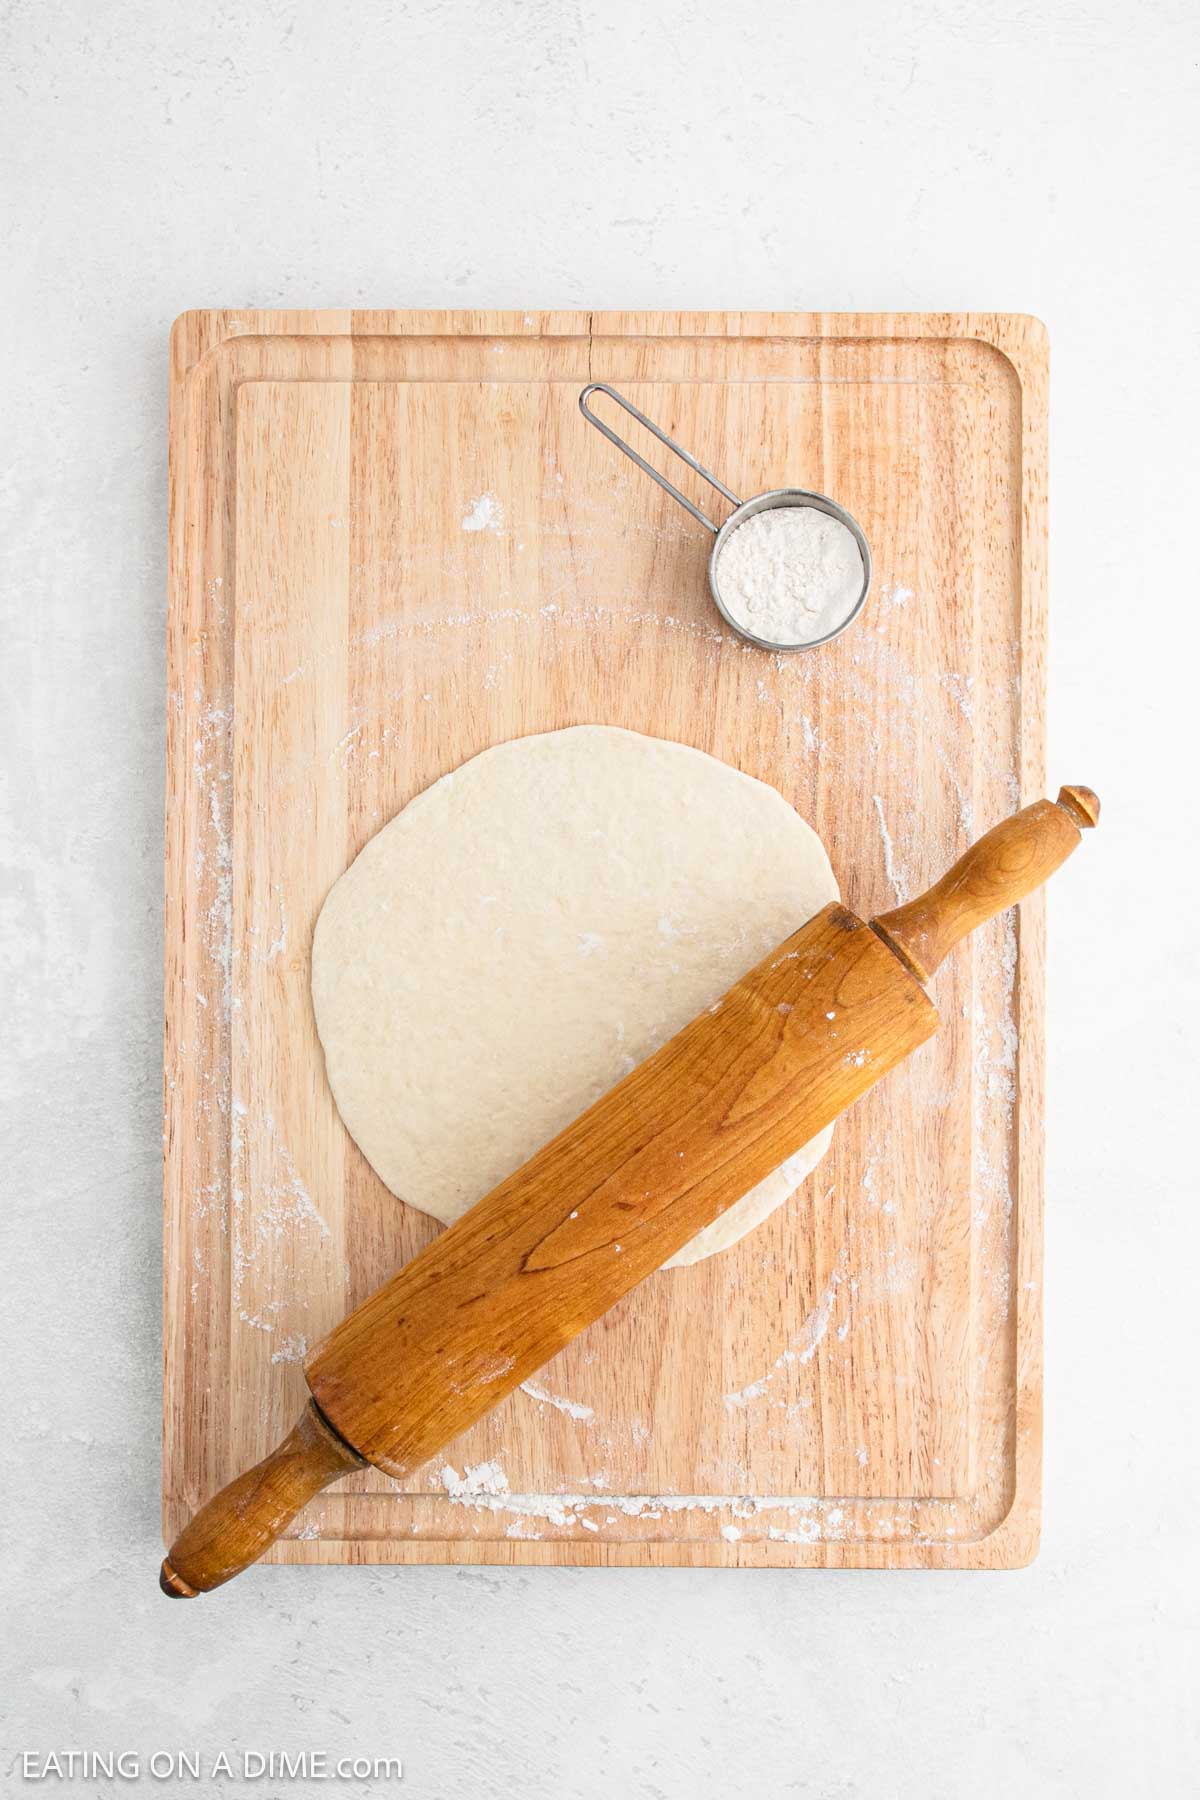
890,154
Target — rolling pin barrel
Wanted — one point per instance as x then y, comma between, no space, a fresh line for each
662,1155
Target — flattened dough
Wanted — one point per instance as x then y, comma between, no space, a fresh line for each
528,930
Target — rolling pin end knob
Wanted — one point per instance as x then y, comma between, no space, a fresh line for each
1082,804
173,1585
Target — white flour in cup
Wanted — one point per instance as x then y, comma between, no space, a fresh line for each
790,574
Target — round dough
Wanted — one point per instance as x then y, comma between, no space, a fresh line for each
531,928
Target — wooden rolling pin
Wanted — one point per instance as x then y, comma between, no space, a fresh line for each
604,1204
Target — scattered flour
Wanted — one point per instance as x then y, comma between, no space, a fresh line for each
485,1478
484,514
574,1409
802,1348
809,1519
894,874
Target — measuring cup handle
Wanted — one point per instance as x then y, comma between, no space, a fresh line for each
600,387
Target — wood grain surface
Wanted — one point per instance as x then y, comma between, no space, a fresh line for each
859,1381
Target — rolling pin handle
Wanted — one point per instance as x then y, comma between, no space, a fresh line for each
244,1519
1007,863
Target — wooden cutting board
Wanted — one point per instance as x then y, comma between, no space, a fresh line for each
395,542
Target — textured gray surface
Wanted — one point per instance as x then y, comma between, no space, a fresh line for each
160,156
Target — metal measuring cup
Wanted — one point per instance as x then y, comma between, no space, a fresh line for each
743,510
